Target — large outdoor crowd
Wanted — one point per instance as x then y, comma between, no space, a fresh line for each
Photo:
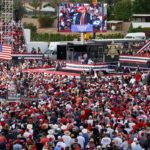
58,112
68,113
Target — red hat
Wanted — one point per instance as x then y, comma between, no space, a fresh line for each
44,126
81,8
17,141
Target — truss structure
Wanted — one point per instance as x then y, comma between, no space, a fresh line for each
6,17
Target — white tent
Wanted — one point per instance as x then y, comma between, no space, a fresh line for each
141,24
28,9
48,9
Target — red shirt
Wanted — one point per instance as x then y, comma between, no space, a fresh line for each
44,140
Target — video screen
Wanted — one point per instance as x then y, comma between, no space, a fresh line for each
71,15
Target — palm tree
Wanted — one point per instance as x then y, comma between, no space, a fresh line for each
35,4
19,9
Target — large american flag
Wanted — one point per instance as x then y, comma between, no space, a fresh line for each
5,52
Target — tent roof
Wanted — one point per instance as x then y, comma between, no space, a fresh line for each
141,15
48,9
141,24
115,21
28,9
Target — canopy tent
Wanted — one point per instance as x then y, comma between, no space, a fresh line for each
28,9
48,9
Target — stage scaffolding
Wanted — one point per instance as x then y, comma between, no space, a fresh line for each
6,18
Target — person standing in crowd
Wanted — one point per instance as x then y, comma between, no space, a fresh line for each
105,141
75,145
135,145
17,145
81,140
3,141
67,139
61,143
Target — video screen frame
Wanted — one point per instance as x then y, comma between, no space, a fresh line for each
71,14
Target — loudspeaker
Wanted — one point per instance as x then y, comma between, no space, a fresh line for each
61,52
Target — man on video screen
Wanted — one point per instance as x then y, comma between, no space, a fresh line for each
82,17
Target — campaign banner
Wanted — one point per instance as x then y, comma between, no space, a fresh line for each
82,28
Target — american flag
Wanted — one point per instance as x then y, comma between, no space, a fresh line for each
5,52
145,48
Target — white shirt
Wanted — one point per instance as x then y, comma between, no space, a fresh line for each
110,130
67,140
105,141
124,145
131,124
61,144
136,146
132,80
90,61
128,129
26,134
118,141
90,121
99,127
81,141
68,107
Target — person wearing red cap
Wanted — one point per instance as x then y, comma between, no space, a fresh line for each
44,139
82,17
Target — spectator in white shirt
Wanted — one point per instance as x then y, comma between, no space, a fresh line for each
67,139
124,145
105,141
61,143
81,140
118,141
90,121
135,145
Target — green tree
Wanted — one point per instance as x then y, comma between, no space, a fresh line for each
141,6
123,10
54,3
18,5
46,21
35,4
109,2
